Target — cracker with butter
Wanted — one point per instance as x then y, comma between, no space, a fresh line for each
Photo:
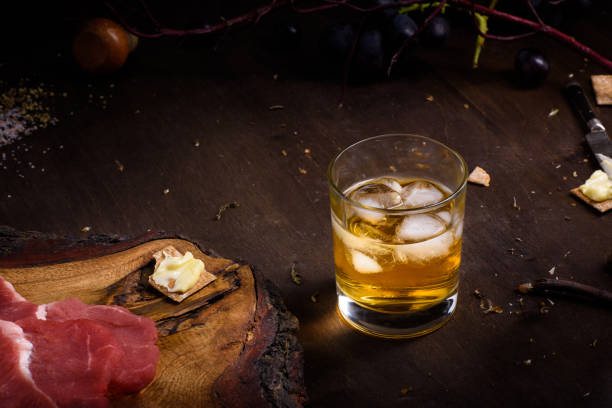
596,191
178,276
601,206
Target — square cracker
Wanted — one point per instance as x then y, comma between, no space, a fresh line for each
602,84
205,277
601,206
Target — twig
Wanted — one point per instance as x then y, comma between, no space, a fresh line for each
311,9
534,12
334,3
295,275
417,32
225,207
251,16
147,11
545,29
255,15
493,36
566,288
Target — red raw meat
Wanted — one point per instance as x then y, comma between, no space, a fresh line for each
72,361
17,388
13,306
80,352
8,294
137,336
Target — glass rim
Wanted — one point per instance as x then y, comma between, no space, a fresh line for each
397,211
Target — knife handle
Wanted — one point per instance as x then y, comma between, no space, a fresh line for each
575,94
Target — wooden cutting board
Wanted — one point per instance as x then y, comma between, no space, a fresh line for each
232,344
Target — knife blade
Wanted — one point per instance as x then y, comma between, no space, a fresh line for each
597,138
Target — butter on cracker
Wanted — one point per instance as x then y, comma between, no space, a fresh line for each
596,191
601,206
598,187
178,276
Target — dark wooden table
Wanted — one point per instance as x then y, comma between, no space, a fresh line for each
172,94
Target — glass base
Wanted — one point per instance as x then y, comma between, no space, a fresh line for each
395,325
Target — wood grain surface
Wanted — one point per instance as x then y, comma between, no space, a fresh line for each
172,93
202,340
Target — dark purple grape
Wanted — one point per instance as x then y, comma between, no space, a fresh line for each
400,29
369,55
287,37
531,66
552,14
386,12
575,10
536,3
337,42
436,33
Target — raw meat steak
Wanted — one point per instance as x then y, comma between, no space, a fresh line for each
72,361
71,354
17,388
8,294
13,306
136,335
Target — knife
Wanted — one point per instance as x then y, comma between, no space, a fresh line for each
598,140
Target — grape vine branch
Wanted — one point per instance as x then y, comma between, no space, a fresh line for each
253,16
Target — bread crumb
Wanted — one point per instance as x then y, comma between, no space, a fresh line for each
120,166
479,176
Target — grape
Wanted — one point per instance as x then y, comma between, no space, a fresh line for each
575,10
531,66
337,43
552,14
436,33
369,54
400,29
287,37
536,3
386,12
